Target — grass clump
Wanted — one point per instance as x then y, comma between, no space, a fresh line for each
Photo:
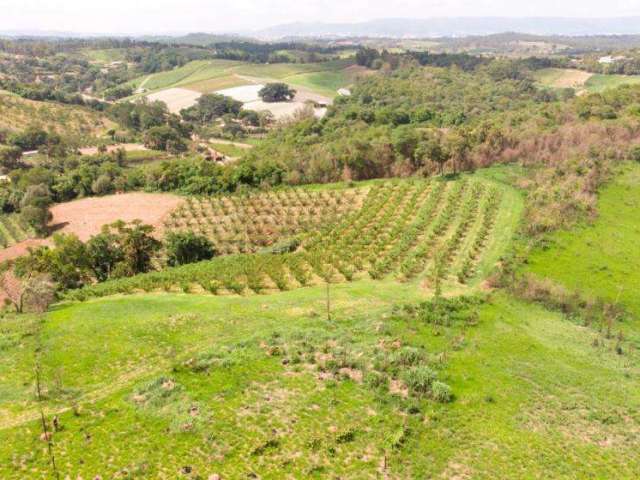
444,311
164,398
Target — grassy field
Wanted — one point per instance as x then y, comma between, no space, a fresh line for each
165,386
600,259
599,83
229,149
192,72
325,83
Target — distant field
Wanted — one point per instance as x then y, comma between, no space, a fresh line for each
192,72
217,83
581,80
229,149
599,83
106,56
327,83
213,75
175,98
562,78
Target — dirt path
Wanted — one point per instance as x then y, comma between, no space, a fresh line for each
144,82
220,141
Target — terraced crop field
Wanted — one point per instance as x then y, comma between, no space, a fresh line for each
244,224
433,232
13,230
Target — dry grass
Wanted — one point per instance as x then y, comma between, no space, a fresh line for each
17,113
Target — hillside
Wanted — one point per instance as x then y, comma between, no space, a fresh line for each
77,123
419,221
432,275
600,259
261,385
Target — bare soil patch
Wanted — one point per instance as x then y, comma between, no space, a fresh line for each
86,217
176,98
127,147
573,78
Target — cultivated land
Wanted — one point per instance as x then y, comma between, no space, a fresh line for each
563,78
176,98
86,217
195,74
77,123
582,81
427,233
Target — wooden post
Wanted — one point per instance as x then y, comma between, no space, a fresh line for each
328,302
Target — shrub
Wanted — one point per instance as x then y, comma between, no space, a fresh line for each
35,207
157,393
285,246
187,247
103,185
10,157
37,218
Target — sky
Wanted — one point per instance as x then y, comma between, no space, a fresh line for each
182,16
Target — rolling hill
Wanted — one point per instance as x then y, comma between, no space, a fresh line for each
77,123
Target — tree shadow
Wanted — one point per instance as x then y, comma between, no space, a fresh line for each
57,227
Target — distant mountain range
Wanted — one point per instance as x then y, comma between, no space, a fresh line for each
456,27
48,34
390,28
202,39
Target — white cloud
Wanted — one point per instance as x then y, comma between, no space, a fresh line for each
157,16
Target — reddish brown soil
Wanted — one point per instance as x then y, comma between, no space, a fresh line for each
86,217
128,147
